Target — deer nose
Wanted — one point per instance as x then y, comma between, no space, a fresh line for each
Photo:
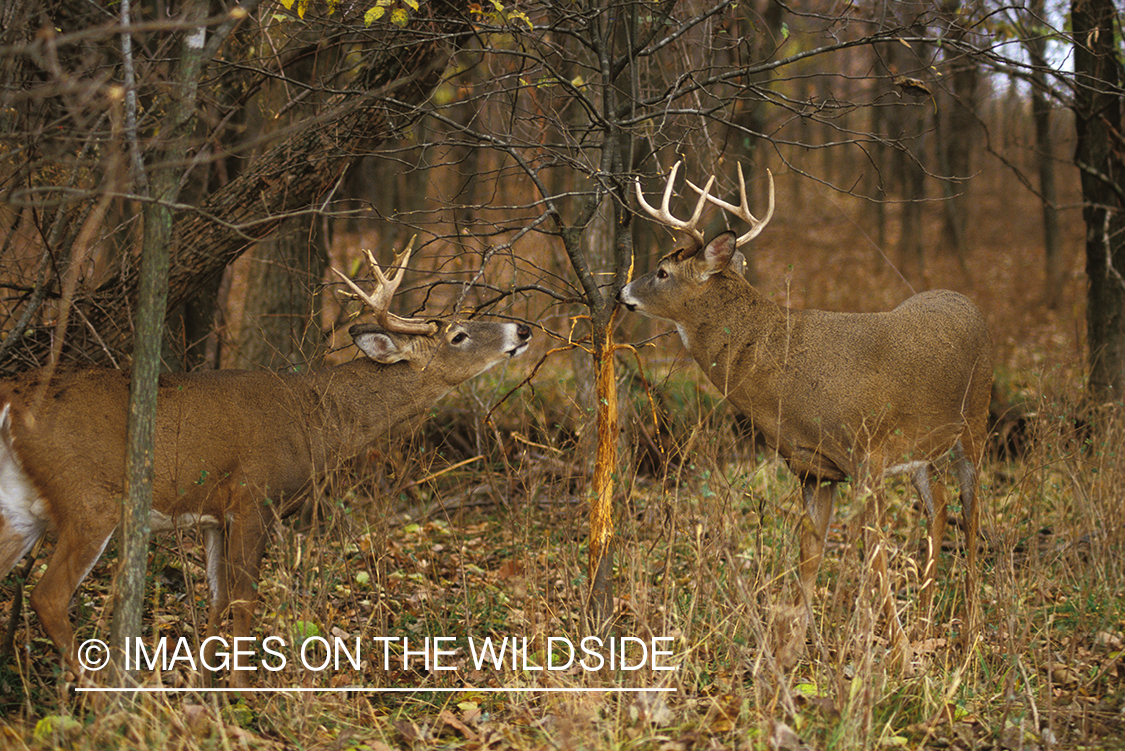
523,331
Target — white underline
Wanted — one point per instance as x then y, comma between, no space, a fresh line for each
371,690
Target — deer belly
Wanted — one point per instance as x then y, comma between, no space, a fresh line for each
158,521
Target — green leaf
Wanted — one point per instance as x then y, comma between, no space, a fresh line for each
303,630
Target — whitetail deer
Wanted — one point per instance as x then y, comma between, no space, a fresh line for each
234,449
858,396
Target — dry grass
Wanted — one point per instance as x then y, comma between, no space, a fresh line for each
706,551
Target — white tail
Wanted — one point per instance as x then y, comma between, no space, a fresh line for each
234,449
839,395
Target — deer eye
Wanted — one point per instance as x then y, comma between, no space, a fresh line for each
459,337
661,274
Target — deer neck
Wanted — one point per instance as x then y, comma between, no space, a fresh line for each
360,402
731,319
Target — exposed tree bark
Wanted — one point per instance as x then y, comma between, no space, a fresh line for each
1048,191
1100,158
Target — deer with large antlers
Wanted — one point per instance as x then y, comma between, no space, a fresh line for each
859,396
234,450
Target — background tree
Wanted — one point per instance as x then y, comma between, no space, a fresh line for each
1100,158
1037,40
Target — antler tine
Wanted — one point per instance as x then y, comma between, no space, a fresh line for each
385,289
664,214
742,211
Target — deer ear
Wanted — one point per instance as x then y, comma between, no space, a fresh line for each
738,263
377,345
717,254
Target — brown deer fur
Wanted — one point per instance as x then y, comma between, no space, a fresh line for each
233,451
840,396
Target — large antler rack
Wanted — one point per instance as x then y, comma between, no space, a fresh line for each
664,214
380,300
742,211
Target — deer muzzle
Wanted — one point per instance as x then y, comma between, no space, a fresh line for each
625,297
523,338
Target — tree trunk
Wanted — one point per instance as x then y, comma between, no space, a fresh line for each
279,312
911,243
149,333
958,131
1045,159
1100,158
605,468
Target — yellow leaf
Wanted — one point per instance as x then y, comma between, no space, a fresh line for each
288,4
302,6
55,725
399,17
412,3
372,15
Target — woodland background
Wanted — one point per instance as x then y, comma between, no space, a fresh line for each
967,145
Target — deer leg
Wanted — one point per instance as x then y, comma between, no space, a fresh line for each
75,554
965,453
246,544
14,544
218,582
875,543
819,499
930,488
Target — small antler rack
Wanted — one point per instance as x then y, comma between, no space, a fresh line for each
380,300
742,211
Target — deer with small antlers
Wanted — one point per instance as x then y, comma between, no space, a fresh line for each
233,450
860,396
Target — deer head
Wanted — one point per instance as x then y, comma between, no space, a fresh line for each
449,351
677,282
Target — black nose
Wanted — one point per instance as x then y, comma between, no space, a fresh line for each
523,331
